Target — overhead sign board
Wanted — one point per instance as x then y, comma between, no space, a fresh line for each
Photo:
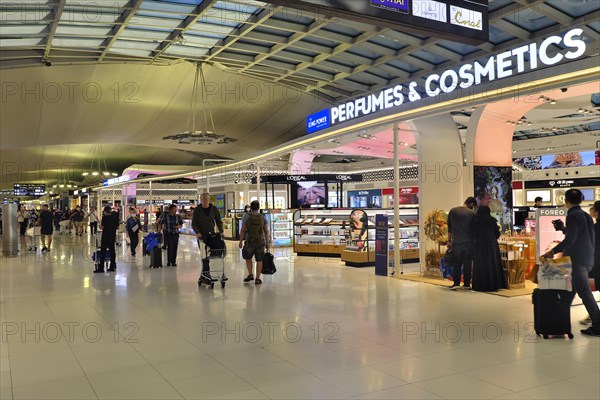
562,183
464,21
119,179
528,57
310,178
26,189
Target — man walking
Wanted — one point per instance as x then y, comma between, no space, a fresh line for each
46,221
579,245
205,219
93,218
253,240
109,225
172,222
460,239
132,226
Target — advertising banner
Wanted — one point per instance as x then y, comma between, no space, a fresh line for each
381,245
493,188
546,236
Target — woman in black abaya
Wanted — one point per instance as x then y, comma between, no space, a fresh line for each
488,275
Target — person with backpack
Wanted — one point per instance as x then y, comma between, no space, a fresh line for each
254,237
132,226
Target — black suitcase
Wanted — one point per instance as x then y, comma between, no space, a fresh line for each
156,258
552,312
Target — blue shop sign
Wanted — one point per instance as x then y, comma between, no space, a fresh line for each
318,121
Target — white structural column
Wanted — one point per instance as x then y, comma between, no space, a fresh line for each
441,170
397,200
258,183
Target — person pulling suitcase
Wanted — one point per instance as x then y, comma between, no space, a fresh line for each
579,245
109,225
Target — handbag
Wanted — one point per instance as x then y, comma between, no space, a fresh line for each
268,264
449,257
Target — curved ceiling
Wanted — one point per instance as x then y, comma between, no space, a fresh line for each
119,74
60,114
323,53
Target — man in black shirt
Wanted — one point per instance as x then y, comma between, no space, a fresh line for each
460,238
579,245
109,225
171,223
46,221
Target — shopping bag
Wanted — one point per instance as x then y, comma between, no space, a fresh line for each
555,274
268,264
33,231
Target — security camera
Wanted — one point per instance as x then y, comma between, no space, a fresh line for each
564,90
47,63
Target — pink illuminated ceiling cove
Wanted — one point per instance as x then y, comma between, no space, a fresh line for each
493,138
378,146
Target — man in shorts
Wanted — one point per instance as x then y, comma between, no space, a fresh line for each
253,240
46,222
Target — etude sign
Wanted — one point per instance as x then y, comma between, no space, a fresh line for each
528,57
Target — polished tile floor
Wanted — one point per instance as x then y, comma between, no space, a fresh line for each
315,330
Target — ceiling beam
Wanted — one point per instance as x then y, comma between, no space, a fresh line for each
242,31
312,28
119,27
56,14
186,24
337,50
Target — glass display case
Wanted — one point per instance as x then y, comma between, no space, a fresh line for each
320,232
281,227
350,234
360,249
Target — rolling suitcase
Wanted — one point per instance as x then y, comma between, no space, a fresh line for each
552,312
156,258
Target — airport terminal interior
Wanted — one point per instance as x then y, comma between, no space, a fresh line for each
348,146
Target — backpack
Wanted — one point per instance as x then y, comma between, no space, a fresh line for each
255,228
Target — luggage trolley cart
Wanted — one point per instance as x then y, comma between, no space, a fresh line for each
208,276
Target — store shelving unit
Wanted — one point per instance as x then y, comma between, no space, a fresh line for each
359,254
282,227
320,232
328,233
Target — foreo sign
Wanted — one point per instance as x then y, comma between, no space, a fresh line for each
528,57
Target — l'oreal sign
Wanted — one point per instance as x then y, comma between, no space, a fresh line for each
528,57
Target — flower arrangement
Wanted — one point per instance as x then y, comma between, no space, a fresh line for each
436,227
436,230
